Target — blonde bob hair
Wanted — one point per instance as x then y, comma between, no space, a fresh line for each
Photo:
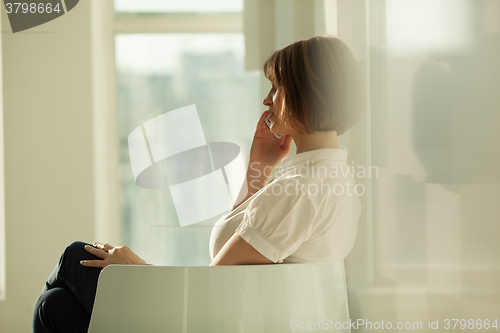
321,84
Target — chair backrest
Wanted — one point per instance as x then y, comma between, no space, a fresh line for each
249,298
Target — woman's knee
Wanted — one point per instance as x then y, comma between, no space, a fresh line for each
75,252
76,247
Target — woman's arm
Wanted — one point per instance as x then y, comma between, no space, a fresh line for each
266,153
256,178
238,252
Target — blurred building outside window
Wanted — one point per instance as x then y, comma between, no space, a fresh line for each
160,67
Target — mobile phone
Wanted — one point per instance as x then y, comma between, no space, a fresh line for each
268,123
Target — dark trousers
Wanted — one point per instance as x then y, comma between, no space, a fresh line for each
67,299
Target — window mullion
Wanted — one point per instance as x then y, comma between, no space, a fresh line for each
179,23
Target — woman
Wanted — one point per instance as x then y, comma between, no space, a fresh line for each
308,213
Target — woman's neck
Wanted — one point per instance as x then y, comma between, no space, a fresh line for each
317,140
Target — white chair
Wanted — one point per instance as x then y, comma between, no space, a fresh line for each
248,298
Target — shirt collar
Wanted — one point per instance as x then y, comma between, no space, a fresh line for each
332,154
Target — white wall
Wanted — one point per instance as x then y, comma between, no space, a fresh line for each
48,153
2,185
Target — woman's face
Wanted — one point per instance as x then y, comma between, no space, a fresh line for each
274,102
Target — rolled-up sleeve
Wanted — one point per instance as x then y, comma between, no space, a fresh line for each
279,220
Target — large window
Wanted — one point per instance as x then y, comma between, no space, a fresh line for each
164,67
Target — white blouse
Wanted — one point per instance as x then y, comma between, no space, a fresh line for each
308,213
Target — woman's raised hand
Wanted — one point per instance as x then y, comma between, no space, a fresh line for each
266,150
266,153
120,255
